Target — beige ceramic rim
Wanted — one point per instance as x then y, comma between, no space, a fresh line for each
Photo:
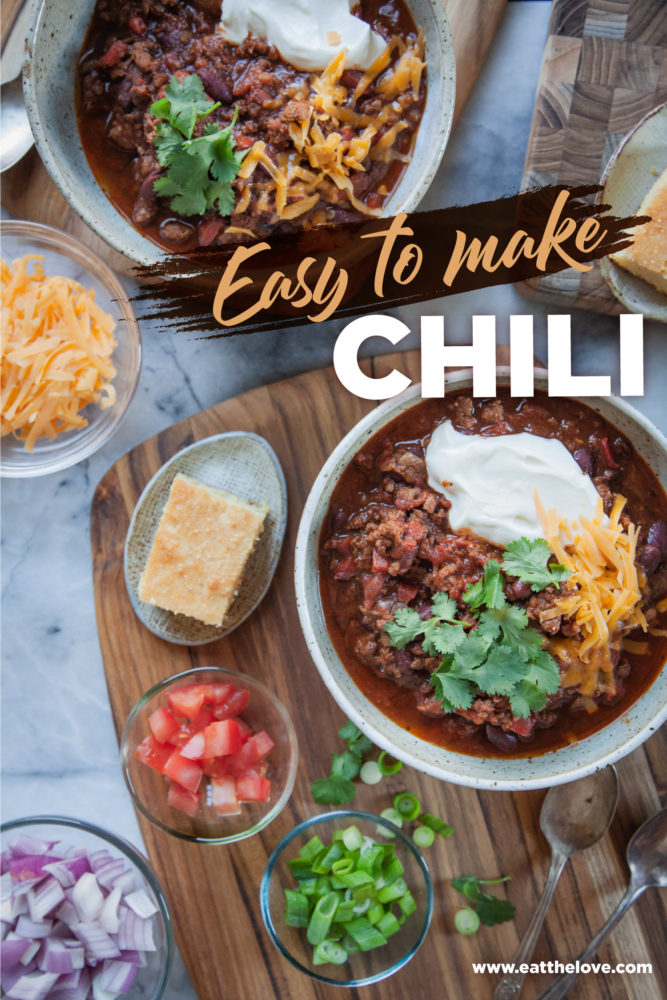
49,81
559,766
632,292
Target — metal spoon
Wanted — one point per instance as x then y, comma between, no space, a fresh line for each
15,132
573,817
647,861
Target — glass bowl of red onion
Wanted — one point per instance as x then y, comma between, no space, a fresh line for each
83,916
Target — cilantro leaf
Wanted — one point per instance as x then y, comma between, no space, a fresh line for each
187,180
489,909
500,671
526,698
443,606
168,141
542,671
488,590
345,765
529,561
333,791
472,652
184,103
447,638
454,690
356,741
405,627
512,620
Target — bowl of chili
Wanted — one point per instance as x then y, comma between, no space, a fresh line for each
98,153
385,689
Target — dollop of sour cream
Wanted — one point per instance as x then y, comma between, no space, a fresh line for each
491,482
307,33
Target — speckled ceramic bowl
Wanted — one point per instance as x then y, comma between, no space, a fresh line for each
55,41
566,764
628,177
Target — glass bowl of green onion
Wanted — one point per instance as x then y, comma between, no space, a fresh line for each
347,898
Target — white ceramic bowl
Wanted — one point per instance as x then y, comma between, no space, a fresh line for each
555,767
55,41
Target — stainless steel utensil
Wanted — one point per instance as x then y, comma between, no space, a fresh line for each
573,817
15,132
647,861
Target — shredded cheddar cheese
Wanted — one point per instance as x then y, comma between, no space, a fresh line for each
324,153
603,594
56,352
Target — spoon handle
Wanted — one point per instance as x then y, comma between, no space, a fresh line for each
564,983
510,986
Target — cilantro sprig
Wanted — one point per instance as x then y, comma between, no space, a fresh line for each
499,654
490,909
200,171
530,562
339,787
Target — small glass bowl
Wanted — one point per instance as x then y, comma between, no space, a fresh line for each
152,978
363,968
65,256
149,788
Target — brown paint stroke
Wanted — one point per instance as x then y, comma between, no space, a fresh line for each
180,290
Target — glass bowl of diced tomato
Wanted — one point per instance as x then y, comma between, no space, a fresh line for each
209,755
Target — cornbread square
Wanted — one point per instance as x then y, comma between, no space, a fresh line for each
647,257
200,550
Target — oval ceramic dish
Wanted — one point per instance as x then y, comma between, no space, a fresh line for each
627,179
57,35
240,463
566,764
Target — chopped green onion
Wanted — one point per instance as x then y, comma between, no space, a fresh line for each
407,806
350,944
407,904
466,921
323,862
423,836
352,838
435,824
375,913
321,918
329,951
388,925
342,867
396,890
345,911
312,848
296,909
354,879
301,868
370,773
365,935
388,765
393,817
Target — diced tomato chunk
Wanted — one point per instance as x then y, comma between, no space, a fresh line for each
263,743
183,771
252,787
181,798
217,693
202,719
223,796
150,751
194,748
236,703
222,738
163,725
244,728
186,701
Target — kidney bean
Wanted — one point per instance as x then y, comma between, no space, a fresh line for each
649,558
215,87
584,459
517,590
502,740
657,535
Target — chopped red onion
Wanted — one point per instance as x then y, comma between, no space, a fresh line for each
97,942
26,844
108,874
55,957
135,957
87,897
34,986
13,950
45,897
108,917
28,928
135,933
140,902
116,976
124,882
67,913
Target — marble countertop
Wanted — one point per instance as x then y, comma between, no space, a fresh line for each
59,750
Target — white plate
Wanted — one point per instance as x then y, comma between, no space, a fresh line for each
628,177
240,463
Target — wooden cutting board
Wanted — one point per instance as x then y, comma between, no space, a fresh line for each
29,193
213,891
604,68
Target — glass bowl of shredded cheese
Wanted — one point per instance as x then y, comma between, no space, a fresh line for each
71,350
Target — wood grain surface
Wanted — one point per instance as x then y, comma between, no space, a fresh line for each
213,891
29,193
604,68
